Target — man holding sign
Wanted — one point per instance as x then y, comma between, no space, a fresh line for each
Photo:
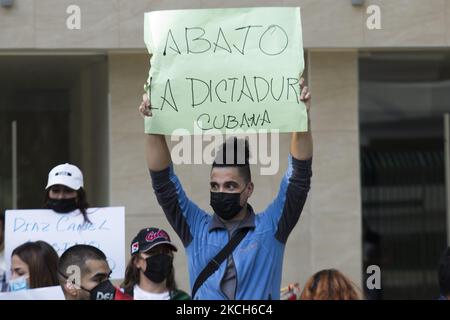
234,253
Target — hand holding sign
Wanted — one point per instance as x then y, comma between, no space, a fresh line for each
145,108
305,95
224,69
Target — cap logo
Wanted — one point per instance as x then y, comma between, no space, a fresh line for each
154,235
135,247
63,173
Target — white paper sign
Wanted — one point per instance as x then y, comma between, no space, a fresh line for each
62,231
48,293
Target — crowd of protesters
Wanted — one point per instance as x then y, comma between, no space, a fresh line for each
218,266
150,274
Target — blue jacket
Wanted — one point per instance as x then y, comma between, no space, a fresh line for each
259,257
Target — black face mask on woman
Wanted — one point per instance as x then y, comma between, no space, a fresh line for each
226,205
62,205
159,267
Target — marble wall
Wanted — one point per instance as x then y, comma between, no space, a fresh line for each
114,24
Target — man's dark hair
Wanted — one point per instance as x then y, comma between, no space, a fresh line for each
235,152
444,273
78,255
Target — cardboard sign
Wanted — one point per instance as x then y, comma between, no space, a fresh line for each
106,232
225,69
48,293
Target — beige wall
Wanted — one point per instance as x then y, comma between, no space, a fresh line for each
328,234
113,24
336,192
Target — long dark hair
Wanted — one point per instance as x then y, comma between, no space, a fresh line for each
132,276
82,203
42,261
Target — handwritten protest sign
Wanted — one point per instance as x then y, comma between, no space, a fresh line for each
106,232
47,293
225,69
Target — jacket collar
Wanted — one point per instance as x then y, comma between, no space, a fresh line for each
248,222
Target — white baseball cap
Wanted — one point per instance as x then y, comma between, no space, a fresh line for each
67,175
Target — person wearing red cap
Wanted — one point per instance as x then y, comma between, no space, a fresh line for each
150,274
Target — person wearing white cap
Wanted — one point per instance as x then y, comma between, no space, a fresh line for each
64,190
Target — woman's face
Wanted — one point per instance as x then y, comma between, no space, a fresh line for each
58,192
142,263
19,268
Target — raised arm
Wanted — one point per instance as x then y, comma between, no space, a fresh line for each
301,142
157,152
184,216
287,207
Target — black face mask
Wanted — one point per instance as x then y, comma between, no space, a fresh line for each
159,267
105,290
62,205
226,205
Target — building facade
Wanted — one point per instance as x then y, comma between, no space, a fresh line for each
73,96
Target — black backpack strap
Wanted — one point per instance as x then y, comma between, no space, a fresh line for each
215,263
